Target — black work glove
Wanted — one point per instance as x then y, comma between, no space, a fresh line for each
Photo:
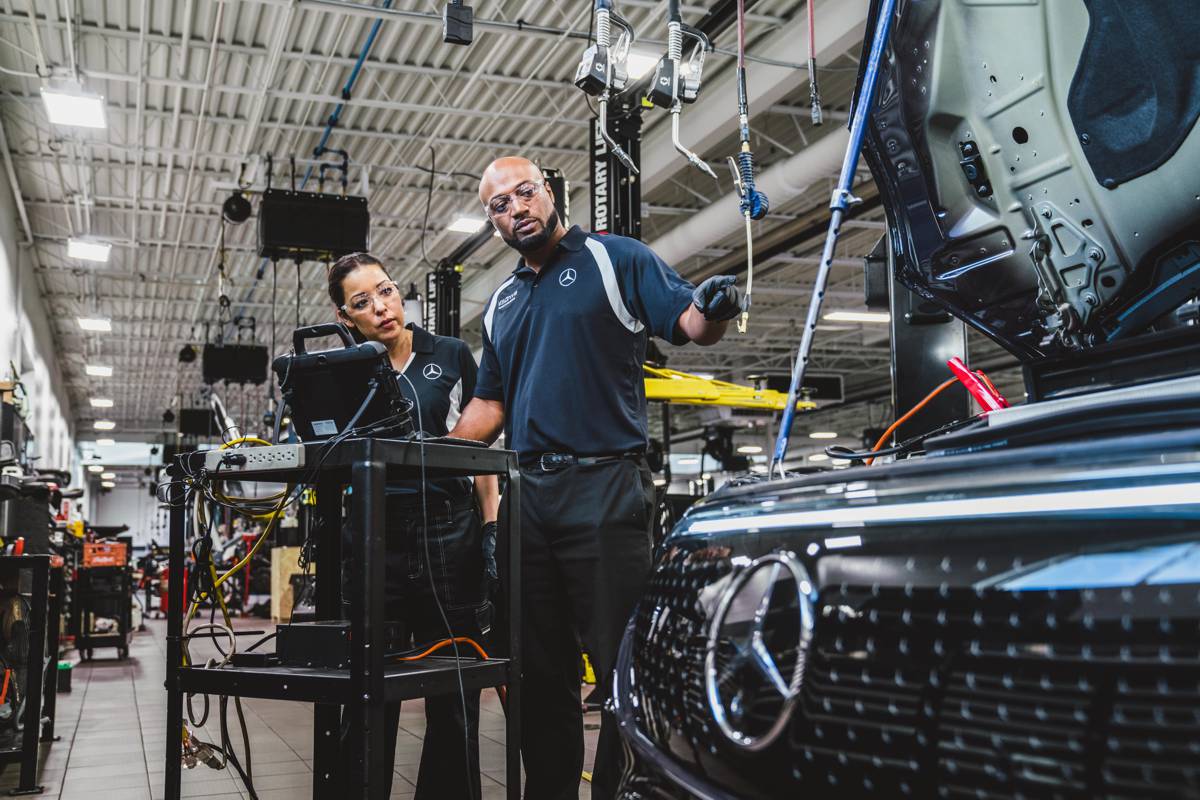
489,555
718,298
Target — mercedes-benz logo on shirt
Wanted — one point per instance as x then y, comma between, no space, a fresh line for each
566,277
432,372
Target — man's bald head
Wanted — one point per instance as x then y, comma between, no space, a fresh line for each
505,174
525,217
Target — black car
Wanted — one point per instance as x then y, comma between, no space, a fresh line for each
1017,612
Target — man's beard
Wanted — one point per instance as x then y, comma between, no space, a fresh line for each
534,241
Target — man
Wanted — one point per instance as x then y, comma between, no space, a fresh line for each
563,343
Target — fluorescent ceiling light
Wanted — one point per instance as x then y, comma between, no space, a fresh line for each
108,484
108,476
707,376
660,481
101,402
89,251
77,108
104,424
97,324
95,468
98,370
467,225
706,476
858,316
749,449
818,457
689,461
105,442
822,435
640,63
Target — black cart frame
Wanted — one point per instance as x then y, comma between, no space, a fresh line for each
87,599
366,465
41,686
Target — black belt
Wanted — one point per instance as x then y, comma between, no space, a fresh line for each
553,462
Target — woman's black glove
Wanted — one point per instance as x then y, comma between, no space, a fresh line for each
489,557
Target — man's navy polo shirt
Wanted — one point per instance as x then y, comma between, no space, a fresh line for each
563,348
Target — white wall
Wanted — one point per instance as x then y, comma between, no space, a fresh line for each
129,505
27,342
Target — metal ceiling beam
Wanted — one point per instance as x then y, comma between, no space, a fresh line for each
227,48
292,127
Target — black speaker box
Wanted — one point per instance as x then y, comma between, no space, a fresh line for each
198,422
235,363
307,226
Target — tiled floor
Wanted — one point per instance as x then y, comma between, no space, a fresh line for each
113,729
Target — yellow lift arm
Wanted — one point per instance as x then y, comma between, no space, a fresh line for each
672,386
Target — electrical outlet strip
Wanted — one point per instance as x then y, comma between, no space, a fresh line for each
255,459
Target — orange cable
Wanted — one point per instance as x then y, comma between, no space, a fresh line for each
988,381
501,690
4,691
445,643
887,434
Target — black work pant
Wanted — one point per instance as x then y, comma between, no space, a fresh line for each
450,755
585,556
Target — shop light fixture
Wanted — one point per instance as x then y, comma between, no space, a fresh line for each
104,424
74,107
822,435
858,316
466,224
105,442
95,324
108,476
95,468
707,376
638,64
86,250
818,457
98,370
689,461
101,402
108,484
749,449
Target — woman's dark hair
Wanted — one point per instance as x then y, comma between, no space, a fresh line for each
343,267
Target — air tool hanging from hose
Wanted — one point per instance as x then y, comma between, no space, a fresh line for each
602,71
841,200
753,203
675,83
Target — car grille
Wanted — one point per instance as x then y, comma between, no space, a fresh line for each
953,692
1001,694
672,628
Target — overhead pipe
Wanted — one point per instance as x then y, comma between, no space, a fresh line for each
784,181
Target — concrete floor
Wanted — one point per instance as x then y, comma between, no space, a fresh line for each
113,729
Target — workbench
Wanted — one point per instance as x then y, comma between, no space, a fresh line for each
366,466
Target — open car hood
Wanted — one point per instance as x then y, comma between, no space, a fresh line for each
1040,164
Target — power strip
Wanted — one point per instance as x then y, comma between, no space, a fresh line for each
255,459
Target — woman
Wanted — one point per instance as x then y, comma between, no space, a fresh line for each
438,374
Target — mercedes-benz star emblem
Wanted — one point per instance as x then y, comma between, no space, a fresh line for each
432,372
757,646
567,277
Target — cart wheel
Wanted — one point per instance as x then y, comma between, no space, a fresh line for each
122,653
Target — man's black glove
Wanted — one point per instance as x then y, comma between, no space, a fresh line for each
718,298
